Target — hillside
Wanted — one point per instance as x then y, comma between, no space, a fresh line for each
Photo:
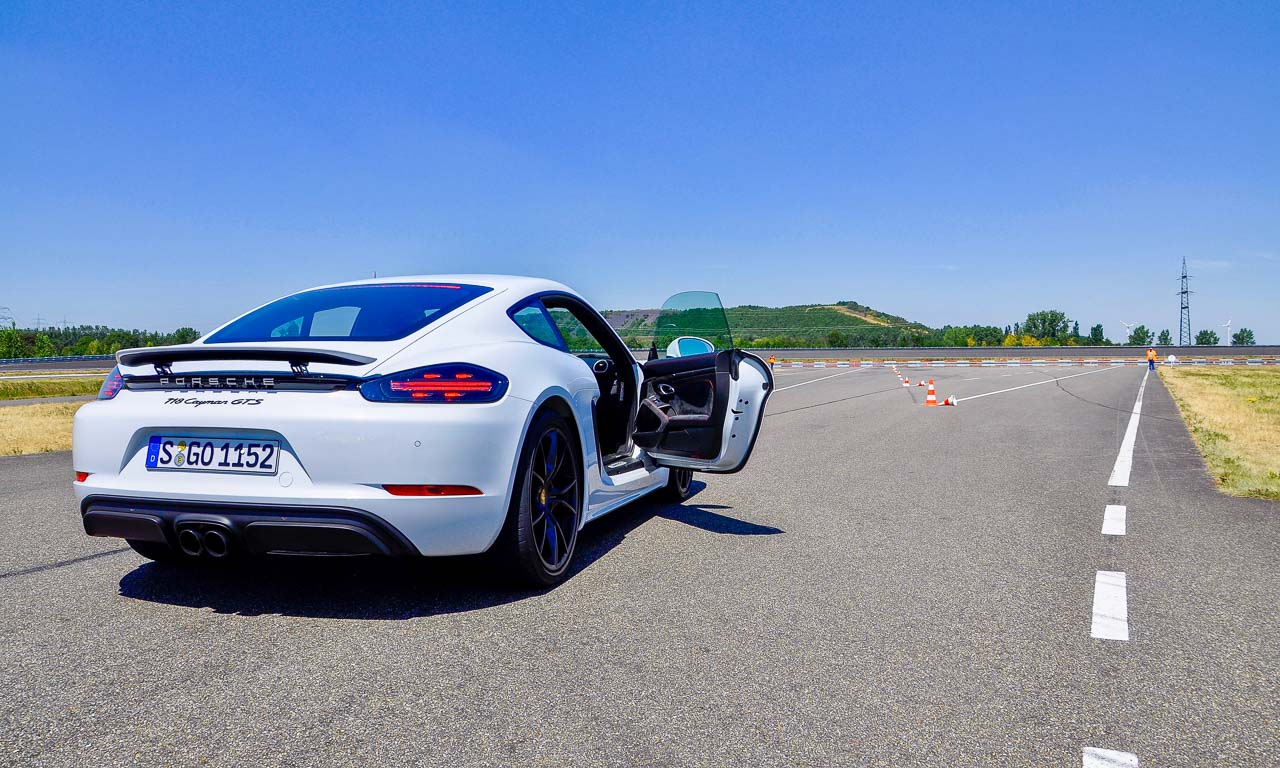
845,323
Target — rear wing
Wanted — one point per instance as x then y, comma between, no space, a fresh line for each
297,358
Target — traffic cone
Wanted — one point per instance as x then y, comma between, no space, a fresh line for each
931,397
921,383
906,382
949,401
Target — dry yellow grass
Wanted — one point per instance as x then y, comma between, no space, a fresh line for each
860,315
36,428
1234,416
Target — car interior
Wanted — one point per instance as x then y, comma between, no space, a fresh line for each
581,328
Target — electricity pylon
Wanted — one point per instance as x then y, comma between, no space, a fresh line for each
1184,322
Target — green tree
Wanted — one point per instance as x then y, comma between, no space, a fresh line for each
837,339
1096,337
11,341
44,347
1207,338
1075,329
1242,338
1165,338
185,335
1141,337
1047,324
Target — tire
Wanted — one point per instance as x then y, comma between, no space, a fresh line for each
153,550
546,505
679,485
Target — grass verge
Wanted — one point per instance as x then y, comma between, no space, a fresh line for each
1234,417
24,388
37,428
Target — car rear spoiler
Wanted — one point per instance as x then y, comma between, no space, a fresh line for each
163,357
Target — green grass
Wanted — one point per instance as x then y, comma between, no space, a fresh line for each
1234,417
29,388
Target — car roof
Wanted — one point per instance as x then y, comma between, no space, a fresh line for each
515,283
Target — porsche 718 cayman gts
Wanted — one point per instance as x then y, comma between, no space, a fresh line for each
419,416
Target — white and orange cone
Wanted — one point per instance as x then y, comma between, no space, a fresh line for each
949,401
931,397
906,382
920,383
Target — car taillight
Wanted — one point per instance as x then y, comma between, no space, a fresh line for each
448,383
112,386
431,490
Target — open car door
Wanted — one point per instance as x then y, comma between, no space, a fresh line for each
700,411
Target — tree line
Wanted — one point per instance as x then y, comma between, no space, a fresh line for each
1049,327
83,340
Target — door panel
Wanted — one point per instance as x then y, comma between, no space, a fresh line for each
703,412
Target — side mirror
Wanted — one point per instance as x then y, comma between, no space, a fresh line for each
685,346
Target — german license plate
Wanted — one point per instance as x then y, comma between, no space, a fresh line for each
213,454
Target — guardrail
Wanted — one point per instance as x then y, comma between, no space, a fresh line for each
939,353
1015,363
64,359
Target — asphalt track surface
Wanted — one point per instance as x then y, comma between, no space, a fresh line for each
885,584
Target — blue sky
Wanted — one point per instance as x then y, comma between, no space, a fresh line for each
174,164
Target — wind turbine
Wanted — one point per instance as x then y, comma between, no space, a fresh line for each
1128,330
1227,325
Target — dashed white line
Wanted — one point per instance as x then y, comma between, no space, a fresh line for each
1124,461
1108,758
1032,384
812,381
1110,606
1113,520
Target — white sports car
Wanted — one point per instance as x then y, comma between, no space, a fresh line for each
439,415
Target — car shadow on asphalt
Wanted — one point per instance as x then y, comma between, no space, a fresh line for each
387,589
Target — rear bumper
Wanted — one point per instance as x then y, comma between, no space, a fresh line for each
253,528
337,454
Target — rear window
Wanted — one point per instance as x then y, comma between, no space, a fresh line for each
377,312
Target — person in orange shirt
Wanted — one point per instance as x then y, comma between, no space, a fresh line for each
1151,358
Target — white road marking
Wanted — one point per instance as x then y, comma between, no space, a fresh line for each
1124,461
56,376
1113,520
1032,384
1110,606
811,381
975,378
1108,758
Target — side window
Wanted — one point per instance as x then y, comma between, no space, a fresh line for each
334,322
533,320
291,329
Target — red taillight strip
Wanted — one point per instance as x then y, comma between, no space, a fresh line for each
82,476
442,386
431,490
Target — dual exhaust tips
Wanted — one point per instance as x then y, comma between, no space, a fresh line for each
212,542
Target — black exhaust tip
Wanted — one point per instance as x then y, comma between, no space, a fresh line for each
189,542
216,543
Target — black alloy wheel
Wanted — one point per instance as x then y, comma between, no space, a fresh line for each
541,533
679,484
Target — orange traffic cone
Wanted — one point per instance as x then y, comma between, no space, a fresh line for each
931,397
949,401
906,382
921,383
